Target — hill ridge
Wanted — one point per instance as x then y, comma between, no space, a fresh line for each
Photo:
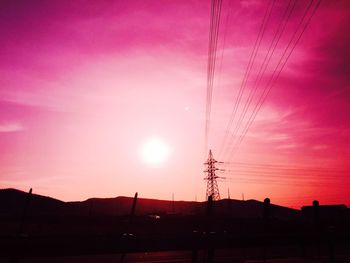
12,202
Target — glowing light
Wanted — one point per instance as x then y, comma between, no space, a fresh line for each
155,151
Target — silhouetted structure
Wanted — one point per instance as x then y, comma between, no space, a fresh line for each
266,222
267,209
212,185
210,205
24,214
133,208
318,212
129,234
91,205
210,248
324,218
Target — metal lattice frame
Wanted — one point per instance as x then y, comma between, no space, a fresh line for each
212,185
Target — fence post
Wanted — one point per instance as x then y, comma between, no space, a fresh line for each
266,223
131,216
317,228
209,228
24,213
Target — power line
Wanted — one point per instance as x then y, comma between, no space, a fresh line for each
270,181
216,11
287,176
247,72
213,37
284,167
224,43
273,78
276,38
276,181
224,39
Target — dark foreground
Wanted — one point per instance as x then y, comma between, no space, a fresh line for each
224,231
245,255
174,239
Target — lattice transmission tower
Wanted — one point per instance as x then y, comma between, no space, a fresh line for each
212,184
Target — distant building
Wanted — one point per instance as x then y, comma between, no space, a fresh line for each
325,211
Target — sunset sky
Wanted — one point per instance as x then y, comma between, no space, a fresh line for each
89,90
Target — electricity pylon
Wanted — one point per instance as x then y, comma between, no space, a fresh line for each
212,184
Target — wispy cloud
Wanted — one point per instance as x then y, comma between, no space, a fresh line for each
287,146
320,147
10,127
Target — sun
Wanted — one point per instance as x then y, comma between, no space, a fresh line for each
155,151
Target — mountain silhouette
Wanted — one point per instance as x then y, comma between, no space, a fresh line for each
12,202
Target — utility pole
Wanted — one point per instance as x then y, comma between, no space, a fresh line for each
24,213
212,185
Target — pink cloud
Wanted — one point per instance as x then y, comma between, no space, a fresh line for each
10,127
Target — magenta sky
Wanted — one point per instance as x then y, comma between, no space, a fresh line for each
85,83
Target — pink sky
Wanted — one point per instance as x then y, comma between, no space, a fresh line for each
84,84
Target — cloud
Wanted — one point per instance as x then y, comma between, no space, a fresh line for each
287,146
10,127
320,147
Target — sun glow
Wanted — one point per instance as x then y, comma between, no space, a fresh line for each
155,151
